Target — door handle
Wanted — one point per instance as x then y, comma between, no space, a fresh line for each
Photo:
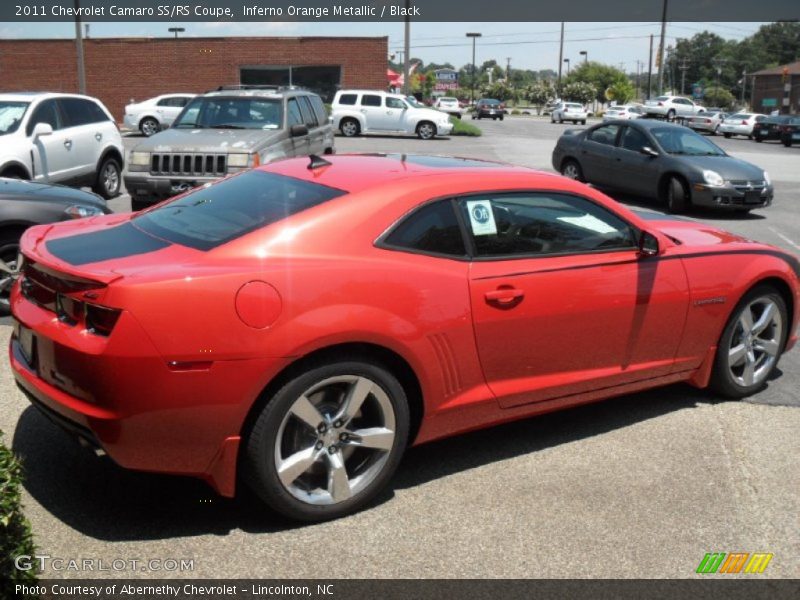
505,296
98,136
363,111
68,143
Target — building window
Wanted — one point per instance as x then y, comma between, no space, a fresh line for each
323,80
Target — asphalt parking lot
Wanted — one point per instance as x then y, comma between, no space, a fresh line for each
639,486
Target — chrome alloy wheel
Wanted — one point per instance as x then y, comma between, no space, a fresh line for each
335,439
8,274
756,342
111,178
571,171
149,127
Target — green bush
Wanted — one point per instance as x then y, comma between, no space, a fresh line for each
15,531
461,127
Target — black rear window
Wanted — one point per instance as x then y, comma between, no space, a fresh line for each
222,212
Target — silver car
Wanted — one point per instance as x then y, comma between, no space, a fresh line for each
672,106
708,122
224,132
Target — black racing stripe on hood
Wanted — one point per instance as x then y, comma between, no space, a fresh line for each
117,242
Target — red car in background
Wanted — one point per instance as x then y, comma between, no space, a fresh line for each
305,321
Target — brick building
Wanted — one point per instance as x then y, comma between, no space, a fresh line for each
769,89
118,69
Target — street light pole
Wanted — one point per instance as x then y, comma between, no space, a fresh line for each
661,49
474,36
560,59
406,52
566,60
176,31
585,55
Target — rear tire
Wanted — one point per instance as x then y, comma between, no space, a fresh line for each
677,196
349,127
671,115
751,343
149,126
426,130
9,249
306,455
727,135
109,179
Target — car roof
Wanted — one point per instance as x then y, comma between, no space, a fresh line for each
653,124
29,96
357,172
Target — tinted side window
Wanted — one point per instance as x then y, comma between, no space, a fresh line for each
78,111
606,134
165,102
348,99
633,139
370,100
541,224
319,109
295,116
46,112
433,228
309,117
394,103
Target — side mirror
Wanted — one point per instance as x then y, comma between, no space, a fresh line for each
648,151
298,130
41,129
648,244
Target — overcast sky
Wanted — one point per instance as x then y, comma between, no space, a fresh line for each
528,45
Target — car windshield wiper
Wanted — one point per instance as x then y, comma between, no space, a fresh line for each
228,126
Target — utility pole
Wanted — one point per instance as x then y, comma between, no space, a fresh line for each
622,66
638,78
79,49
661,49
560,60
406,48
683,68
744,83
474,36
650,70
508,68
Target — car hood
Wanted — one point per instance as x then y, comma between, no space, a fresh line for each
728,167
429,113
210,140
16,189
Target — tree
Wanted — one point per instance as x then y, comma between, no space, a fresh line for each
579,91
499,90
423,83
540,93
599,76
719,96
621,92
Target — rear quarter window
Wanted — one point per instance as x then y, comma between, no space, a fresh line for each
236,206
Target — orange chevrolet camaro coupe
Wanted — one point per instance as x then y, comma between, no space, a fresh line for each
295,327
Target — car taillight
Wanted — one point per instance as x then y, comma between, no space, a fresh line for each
100,319
744,122
566,109
661,104
502,105
707,120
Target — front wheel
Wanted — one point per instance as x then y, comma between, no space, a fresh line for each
727,135
109,179
426,131
671,115
328,441
9,250
751,343
677,196
572,170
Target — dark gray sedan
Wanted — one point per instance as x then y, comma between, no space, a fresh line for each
669,162
22,204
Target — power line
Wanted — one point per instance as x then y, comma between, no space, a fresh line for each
527,42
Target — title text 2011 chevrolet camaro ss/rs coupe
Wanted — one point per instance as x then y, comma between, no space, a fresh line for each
302,323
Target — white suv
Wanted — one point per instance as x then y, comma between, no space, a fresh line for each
60,138
366,111
153,115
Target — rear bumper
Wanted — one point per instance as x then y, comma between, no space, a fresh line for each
127,400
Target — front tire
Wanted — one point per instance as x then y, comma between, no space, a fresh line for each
328,441
109,179
671,115
9,250
727,135
751,343
677,196
426,130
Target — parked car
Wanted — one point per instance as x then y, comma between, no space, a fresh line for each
663,160
569,111
790,132
624,111
671,107
740,124
355,112
302,323
25,203
153,115
770,128
448,105
489,108
708,122
227,131
60,138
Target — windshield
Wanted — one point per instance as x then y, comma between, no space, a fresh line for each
573,105
11,114
231,113
739,117
217,214
413,102
678,141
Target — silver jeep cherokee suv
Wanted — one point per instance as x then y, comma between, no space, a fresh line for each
223,132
